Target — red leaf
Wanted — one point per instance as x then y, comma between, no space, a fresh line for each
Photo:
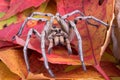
107,69
93,38
7,33
100,70
20,5
110,68
4,5
6,44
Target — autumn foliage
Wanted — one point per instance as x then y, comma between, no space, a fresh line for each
94,40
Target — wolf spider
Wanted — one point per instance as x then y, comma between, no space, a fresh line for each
56,35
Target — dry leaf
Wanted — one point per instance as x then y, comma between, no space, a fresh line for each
116,31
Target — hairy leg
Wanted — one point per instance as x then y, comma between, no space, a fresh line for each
44,54
72,13
31,31
88,18
79,44
41,14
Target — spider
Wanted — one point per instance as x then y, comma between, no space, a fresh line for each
56,35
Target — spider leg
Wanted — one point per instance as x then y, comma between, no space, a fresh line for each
65,27
72,13
90,17
44,54
24,23
72,24
62,22
41,14
31,31
31,18
43,34
49,25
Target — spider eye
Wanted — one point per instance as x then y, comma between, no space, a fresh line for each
60,30
56,31
54,26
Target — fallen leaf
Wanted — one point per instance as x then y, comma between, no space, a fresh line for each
12,57
89,33
110,68
4,5
16,6
116,31
6,44
8,22
37,69
108,54
93,38
6,74
115,78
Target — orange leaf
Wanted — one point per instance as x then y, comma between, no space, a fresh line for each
6,74
14,61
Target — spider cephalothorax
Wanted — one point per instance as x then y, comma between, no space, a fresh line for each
56,35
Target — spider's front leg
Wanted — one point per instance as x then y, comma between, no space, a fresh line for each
80,51
45,33
31,31
44,54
